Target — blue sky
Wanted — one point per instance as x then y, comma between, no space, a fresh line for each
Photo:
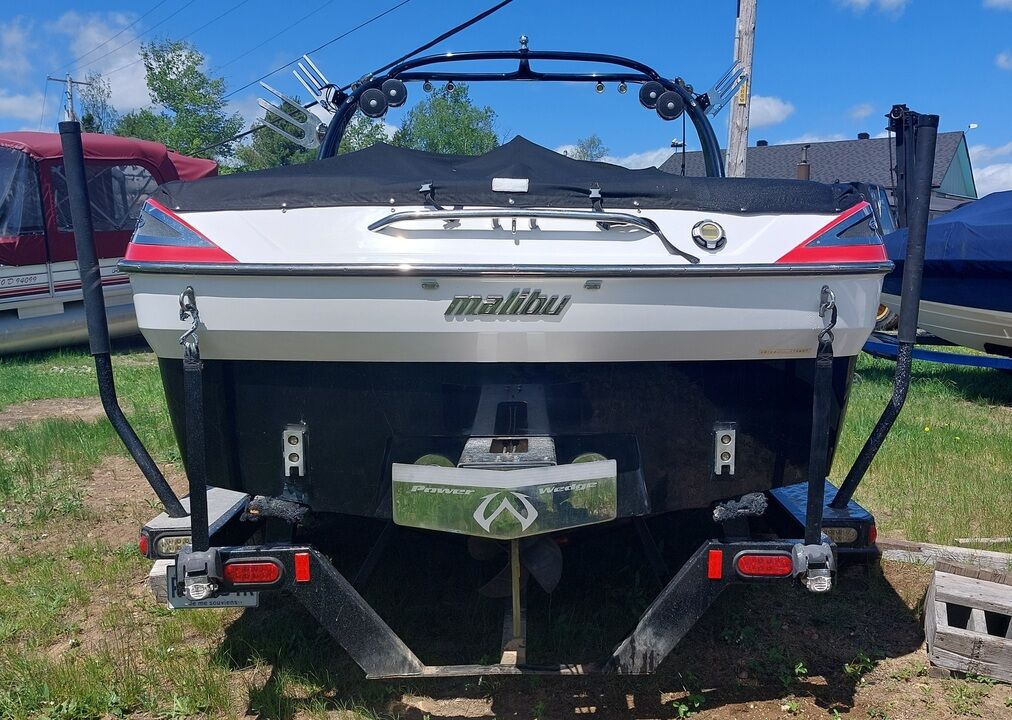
823,69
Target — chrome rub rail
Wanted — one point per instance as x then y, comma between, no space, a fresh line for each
436,270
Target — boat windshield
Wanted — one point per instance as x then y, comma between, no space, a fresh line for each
20,202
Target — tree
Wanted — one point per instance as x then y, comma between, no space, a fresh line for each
190,109
361,133
270,149
589,148
97,113
449,122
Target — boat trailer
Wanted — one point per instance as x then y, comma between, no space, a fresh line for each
200,541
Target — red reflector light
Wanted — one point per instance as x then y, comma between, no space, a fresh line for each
258,572
715,565
302,567
872,534
143,544
764,565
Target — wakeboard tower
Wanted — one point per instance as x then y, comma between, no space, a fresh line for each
516,347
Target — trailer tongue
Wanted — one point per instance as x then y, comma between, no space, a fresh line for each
516,481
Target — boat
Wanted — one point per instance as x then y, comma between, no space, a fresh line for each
40,292
399,303
516,351
966,297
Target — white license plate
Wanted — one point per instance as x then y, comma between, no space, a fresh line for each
246,598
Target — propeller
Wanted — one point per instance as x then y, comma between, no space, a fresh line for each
540,558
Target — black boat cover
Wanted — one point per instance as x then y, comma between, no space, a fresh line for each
393,176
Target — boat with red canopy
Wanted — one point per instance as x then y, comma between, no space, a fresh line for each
40,291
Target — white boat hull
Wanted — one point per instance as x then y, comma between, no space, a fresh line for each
970,327
402,319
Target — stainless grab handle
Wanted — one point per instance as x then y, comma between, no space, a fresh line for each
598,217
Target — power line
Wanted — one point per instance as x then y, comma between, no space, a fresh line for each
45,94
113,37
132,40
333,40
187,35
273,37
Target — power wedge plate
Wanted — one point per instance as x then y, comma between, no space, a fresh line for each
504,504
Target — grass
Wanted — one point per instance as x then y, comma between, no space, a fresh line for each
947,462
79,645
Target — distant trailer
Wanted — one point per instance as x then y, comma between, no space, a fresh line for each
40,289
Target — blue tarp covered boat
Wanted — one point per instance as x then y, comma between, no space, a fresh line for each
967,295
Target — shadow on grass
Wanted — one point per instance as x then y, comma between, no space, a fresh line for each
977,385
757,642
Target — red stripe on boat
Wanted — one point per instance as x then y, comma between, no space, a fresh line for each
836,253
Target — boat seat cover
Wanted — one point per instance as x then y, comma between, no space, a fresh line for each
386,175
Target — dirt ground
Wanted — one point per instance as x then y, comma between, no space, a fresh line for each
760,652
88,409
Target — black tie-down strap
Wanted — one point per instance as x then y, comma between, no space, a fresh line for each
822,397
193,406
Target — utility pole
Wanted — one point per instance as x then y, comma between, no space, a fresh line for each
68,92
737,134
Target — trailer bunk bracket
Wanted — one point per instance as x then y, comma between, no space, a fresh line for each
308,576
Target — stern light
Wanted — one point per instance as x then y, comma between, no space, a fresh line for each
853,236
163,236
709,235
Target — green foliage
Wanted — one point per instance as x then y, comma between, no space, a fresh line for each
859,666
589,148
190,109
97,113
361,133
270,149
449,122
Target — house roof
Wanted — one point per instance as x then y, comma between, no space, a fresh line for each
112,148
841,160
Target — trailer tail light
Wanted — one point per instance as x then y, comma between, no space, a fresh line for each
144,544
755,564
851,237
163,236
252,572
715,565
302,572
170,545
841,535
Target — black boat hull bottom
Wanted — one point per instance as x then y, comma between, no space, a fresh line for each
660,421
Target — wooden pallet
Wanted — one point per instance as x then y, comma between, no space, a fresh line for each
968,620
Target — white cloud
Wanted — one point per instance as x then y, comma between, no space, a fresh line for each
999,4
983,153
20,106
85,32
767,110
15,47
993,178
645,159
812,138
861,111
1004,60
894,7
